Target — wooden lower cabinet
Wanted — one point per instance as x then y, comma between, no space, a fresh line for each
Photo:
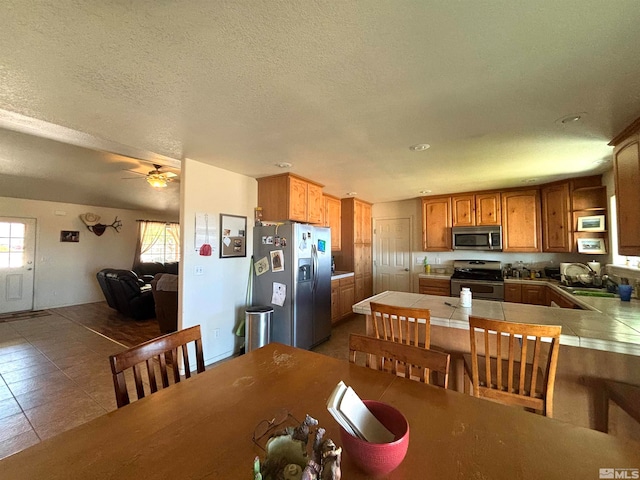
513,292
435,286
536,295
342,298
560,300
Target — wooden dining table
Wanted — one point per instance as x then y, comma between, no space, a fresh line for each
203,427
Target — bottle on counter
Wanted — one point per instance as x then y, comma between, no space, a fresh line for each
465,297
427,267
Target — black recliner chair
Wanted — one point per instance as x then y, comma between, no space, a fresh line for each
129,295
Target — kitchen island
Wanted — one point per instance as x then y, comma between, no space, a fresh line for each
596,344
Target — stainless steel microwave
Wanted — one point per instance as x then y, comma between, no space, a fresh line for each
477,238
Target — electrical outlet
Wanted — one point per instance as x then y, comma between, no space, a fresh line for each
199,270
419,260
216,333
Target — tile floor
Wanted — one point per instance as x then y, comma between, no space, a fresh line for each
54,373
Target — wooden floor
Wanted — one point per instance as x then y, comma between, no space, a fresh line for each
108,322
55,374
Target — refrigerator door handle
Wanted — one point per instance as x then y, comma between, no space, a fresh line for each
314,267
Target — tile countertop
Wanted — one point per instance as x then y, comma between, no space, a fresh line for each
608,325
337,275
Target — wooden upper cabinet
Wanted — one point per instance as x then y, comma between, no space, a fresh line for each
556,218
521,221
289,197
361,221
626,156
464,210
315,204
298,206
488,209
479,209
436,224
333,219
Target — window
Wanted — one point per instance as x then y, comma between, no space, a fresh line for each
12,244
158,242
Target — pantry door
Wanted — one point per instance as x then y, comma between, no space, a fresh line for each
392,248
17,254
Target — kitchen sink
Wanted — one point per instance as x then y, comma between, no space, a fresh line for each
588,292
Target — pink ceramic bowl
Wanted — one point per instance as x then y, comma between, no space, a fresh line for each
379,458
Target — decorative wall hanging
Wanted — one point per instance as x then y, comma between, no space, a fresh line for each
69,236
233,230
91,221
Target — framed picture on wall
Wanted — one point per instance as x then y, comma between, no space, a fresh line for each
594,223
69,236
591,245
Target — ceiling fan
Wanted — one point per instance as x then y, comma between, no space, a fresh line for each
156,178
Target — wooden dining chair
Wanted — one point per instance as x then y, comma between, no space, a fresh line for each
515,373
161,352
402,324
417,362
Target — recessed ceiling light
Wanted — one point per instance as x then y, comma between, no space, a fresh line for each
529,180
283,165
424,192
418,147
572,118
352,194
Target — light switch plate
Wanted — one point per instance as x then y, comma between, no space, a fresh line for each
199,270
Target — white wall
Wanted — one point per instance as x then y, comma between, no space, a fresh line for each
412,209
65,273
214,300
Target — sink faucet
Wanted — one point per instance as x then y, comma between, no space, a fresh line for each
610,284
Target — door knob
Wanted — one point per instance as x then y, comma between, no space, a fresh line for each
406,269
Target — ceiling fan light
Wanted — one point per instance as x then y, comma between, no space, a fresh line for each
157,180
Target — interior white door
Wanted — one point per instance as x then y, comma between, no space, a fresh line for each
17,254
392,255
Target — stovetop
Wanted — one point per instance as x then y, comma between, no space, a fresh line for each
487,270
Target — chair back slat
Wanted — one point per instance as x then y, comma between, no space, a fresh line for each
527,384
409,355
155,354
401,324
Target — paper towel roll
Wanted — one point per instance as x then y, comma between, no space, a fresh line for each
595,266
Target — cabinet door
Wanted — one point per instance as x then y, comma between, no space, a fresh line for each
521,221
365,225
347,299
335,300
464,210
435,286
627,178
436,224
297,199
333,209
357,221
534,294
513,292
315,204
488,209
556,218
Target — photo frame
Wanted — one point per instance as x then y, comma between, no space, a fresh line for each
233,241
277,260
594,223
591,245
69,236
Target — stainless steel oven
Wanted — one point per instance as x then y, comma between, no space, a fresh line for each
482,277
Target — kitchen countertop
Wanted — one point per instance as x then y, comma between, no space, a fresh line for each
337,275
608,324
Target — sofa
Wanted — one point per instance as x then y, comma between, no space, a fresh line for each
127,293
148,270
165,294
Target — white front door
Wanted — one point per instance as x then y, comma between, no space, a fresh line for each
17,254
392,255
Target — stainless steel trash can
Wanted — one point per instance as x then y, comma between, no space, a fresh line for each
257,327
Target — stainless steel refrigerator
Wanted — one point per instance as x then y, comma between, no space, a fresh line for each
296,258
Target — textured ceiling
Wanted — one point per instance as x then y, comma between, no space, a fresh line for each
338,89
